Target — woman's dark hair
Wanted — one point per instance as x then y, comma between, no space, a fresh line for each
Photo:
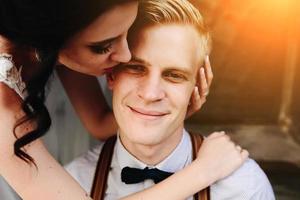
45,26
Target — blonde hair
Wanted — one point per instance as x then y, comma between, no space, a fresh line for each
152,12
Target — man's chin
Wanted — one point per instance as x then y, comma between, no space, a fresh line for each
146,135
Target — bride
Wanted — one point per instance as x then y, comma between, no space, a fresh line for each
81,40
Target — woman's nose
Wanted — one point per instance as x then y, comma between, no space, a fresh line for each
122,52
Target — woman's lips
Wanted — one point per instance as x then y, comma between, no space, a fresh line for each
148,113
108,70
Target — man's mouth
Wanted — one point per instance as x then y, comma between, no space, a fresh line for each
148,114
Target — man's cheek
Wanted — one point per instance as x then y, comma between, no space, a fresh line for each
121,77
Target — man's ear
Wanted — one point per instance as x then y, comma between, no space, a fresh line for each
110,80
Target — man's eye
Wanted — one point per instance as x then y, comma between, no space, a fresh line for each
101,49
175,77
136,69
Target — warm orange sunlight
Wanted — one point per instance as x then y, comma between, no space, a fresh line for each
279,6
255,55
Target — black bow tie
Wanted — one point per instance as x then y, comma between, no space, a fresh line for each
133,175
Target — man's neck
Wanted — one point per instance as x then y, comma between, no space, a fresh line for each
155,153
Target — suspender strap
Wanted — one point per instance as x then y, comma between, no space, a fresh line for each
197,140
102,170
103,166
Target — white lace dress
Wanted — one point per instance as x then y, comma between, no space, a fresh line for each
11,76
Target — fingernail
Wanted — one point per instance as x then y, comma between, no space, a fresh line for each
202,70
207,57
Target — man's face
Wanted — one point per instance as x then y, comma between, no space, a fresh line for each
151,93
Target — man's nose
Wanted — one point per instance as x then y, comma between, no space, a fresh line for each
151,89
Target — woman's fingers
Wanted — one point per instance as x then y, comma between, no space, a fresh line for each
196,99
216,134
203,84
195,103
244,154
208,71
239,148
221,155
201,90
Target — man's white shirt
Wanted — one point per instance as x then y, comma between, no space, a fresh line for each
248,182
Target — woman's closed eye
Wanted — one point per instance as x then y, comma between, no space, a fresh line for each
101,49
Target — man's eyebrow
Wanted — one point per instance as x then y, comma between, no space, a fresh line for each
103,42
179,69
184,70
139,60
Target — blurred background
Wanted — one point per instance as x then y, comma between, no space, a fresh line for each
254,95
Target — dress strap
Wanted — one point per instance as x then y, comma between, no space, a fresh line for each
11,76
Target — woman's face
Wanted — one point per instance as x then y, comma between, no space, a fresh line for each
102,44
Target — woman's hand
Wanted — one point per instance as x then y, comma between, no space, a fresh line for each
219,156
204,80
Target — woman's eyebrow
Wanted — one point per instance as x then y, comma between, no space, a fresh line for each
104,42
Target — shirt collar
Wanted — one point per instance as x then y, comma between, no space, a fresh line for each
169,164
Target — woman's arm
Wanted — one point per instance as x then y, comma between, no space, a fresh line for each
217,158
49,181
87,98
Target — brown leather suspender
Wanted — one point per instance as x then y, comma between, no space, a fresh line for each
104,162
102,170
197,140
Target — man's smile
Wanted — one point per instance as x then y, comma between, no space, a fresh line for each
147,114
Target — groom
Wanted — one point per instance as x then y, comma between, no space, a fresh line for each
151,94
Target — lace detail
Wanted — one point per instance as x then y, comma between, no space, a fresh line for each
11,76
